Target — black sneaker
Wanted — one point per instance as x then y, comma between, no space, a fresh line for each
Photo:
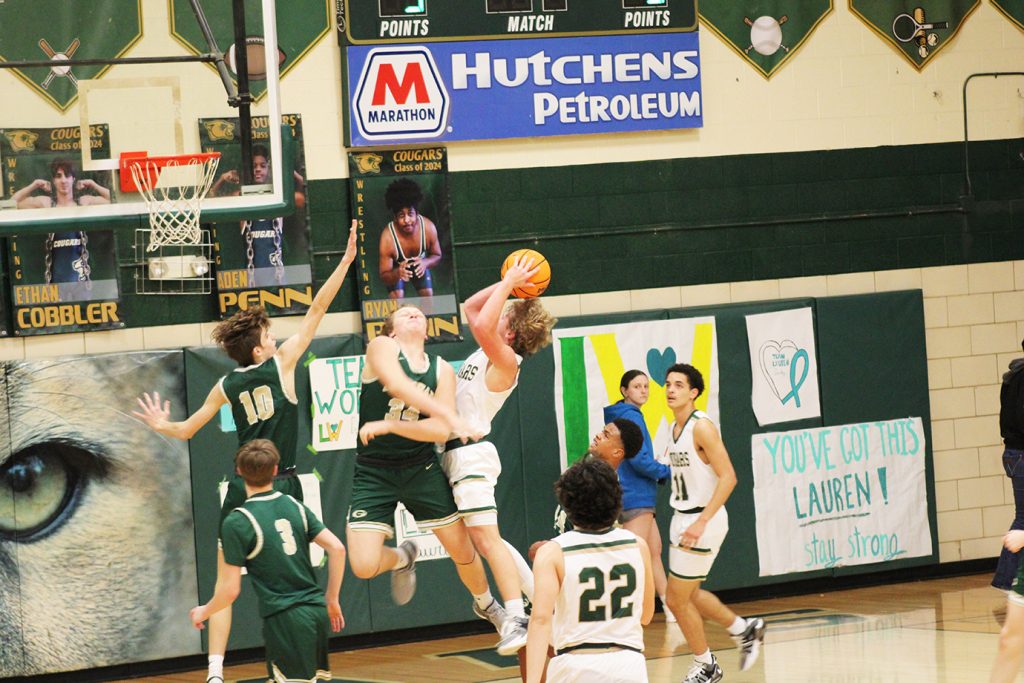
403,581
750,642
704,673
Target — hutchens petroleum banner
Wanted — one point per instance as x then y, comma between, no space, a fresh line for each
477,90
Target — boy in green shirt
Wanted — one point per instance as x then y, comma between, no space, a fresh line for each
269,534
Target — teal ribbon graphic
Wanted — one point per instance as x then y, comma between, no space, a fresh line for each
795,383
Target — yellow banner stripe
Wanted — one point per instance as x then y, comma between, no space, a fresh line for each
703,339
609,360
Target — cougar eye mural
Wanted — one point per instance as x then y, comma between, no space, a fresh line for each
97,560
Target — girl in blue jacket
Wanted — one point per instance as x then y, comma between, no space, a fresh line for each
639,476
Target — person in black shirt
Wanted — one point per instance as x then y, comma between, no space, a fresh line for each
1011,427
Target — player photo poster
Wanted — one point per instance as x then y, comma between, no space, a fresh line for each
64,281
400,199
263,262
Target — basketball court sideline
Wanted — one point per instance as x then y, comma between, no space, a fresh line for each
941,631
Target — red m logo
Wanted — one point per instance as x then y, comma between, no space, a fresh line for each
412,79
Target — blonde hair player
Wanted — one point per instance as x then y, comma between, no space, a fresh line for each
702,480
487,378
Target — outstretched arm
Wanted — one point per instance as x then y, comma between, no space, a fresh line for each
293,348
155,413
24,200
483,311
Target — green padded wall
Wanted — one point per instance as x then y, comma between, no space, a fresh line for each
863,343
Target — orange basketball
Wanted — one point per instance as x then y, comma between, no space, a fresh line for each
541,279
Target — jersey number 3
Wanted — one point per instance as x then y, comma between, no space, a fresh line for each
593,603
284,530
259,405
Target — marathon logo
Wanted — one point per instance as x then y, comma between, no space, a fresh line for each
400,95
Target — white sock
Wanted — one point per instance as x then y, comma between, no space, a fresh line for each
484,600
525,573
737,627
705,658
515,607
215,666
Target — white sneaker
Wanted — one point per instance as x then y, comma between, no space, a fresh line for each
513,635
750,642
494,613
704,673
403,581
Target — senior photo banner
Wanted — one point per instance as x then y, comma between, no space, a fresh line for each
783,366
916,29
590,362
263,262
840,495
335,384
60,281
400,200
765,33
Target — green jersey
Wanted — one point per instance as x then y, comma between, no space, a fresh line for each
262,408
391,450
270,535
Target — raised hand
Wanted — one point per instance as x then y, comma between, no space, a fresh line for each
520,272
152,412
350,247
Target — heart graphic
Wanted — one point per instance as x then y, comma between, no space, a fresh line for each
780,365
658,363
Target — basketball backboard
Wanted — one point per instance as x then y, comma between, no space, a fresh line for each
129,107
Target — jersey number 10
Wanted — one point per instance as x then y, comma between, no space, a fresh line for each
259,405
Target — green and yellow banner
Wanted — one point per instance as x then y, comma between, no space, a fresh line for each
300,25
917,29
590,362
59,30
765,33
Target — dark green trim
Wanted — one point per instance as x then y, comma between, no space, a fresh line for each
624,543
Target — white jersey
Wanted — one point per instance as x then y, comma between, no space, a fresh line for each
475,403
602,596
693,480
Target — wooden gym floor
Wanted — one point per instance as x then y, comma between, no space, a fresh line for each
942,630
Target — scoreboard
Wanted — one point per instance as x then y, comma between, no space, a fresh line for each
404,21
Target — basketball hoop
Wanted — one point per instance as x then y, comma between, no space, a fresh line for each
173,189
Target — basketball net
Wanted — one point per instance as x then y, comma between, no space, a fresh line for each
174,194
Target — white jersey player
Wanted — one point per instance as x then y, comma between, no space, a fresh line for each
594,587
485,380
702,479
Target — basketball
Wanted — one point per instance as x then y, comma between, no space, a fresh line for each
541,279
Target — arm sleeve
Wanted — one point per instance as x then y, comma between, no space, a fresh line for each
237,538
313,524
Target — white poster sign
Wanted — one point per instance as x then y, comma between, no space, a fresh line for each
426,542
590,362
783,366
334,384
842,495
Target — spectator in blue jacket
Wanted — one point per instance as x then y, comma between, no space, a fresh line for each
639,477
